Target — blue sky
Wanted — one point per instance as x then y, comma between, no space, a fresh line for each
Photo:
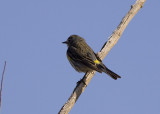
39,78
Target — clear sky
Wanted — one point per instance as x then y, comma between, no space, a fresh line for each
39,78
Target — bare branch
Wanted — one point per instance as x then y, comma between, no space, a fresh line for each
104,51
2,83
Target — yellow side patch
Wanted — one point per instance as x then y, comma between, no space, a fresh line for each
97,62
68,58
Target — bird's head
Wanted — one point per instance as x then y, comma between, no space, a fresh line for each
73,40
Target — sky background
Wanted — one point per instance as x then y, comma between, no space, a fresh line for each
39,78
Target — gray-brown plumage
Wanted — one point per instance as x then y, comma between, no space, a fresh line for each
83,58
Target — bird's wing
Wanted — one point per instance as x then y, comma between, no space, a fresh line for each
86,58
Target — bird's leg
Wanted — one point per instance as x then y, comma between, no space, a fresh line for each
82,80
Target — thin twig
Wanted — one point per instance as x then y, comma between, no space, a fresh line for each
104,51
2,83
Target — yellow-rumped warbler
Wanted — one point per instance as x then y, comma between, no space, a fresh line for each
83,58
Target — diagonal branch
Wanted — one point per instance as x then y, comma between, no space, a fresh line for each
104,51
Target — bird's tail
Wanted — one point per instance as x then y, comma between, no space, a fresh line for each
109,72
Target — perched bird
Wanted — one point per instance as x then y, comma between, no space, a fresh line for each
83,59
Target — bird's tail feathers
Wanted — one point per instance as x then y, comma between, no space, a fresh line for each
109,72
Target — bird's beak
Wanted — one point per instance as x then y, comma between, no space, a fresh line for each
65,42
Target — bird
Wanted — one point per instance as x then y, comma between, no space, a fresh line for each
83,58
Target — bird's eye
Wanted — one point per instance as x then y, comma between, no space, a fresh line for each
69,40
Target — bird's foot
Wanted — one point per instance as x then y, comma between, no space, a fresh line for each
81,80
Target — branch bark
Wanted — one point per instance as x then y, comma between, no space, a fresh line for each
104,51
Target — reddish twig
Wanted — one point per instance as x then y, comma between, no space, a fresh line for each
2,83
